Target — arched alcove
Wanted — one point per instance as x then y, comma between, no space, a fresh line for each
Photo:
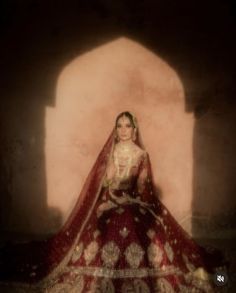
91,90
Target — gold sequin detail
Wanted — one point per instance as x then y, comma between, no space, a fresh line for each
102,285
162,285
188,264
169,251
110,254
151,233
90,252
155,254
77,252
134,255
96,234
138,286
124,232
120,210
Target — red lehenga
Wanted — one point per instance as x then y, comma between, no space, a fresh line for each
119,238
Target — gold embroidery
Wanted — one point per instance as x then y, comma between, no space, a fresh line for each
188,264
95,272
169,251
138,286
94,287
134,255
78,285
96,234
126,157
201,285
151,233
107,286
72,286
124,232
58,288
90,252
110,254
165,212
127,287
125,273
98,272
77,252
204,286
142,211
141,287
120,210
105,206
162,285
184,289
155,254
201,279
102,286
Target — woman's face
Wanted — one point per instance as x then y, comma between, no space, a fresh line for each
124,129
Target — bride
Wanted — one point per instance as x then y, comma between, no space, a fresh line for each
119,237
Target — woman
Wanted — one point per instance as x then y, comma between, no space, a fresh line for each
119,237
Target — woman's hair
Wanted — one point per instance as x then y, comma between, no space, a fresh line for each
129,116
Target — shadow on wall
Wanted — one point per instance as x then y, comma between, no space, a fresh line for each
189,36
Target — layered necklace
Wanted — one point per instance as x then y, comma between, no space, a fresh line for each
123,157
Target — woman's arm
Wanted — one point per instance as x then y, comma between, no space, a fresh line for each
143,173
145,186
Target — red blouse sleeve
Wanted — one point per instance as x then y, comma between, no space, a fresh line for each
143,176
145,187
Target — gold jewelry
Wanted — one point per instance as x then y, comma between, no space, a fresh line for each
134,136
117,137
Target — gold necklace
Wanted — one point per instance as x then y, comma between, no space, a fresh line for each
123,157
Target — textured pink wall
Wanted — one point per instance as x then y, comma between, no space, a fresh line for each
92,90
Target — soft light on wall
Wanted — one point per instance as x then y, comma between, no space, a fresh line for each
91,91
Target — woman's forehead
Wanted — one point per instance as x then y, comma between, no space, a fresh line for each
123,119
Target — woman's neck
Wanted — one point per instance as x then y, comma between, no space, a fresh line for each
126,142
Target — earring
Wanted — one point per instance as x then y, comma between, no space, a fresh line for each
117,137
134,135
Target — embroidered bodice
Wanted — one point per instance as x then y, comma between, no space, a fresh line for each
127,160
